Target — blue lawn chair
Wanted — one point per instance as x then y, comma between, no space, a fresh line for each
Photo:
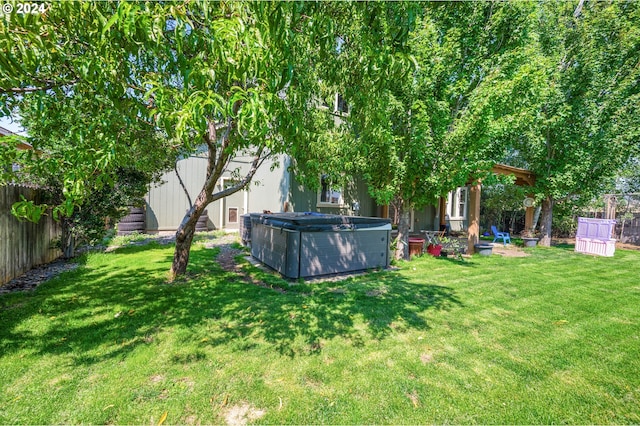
506,238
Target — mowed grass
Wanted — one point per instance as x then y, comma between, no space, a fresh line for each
550,338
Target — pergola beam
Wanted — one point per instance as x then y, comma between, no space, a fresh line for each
523,177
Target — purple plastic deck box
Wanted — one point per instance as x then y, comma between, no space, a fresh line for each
594,236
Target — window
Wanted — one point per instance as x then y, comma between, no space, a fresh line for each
337,105
330,195
341,105
457,203
462,202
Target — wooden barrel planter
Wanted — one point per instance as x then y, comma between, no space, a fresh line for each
202,225
134,222
416,246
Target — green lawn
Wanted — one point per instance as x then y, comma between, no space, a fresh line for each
550,338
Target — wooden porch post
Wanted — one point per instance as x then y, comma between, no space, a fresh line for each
610,212
474,217
528,217
443,214
385,211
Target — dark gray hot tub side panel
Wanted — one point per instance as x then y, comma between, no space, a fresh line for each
324,253
305,254
277,248
311,244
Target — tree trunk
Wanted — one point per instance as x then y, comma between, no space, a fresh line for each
404,226
546,217
184,238
216,163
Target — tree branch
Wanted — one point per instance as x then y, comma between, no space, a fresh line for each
184,187
258,160
211,139
578,11
19,90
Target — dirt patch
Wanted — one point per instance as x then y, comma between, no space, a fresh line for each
238,415
509,251
156,378
426,358
376,292
226,258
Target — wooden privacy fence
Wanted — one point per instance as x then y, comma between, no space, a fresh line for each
628,230
625,209
24,245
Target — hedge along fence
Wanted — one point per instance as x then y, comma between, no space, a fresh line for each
24,245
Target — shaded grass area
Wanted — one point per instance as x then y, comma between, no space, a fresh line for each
550,338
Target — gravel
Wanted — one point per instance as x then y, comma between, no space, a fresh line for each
36,276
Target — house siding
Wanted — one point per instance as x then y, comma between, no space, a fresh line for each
303,199
166,204
425,219
272,187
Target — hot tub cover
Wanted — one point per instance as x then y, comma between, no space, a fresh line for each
318,222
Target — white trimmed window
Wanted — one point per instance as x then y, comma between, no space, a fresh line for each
329,194
338,105
457,203
341,105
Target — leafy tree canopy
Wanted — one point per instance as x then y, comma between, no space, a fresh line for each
579,127
425,132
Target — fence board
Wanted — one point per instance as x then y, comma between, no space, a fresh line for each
24,245
631,234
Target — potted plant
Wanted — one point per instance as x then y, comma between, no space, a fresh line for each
434,249
452,246
529,238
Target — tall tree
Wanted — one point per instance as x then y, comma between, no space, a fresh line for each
71,88
252,88
94,145
580,125
428,131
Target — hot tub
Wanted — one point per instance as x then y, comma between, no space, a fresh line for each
312,244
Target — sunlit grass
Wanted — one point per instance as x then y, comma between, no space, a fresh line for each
549,338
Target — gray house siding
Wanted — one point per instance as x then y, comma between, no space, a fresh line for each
425,219
166,204
273,189
305,200
269,189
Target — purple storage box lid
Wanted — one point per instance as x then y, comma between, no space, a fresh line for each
597,229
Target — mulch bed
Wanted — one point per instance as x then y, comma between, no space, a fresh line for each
36,276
